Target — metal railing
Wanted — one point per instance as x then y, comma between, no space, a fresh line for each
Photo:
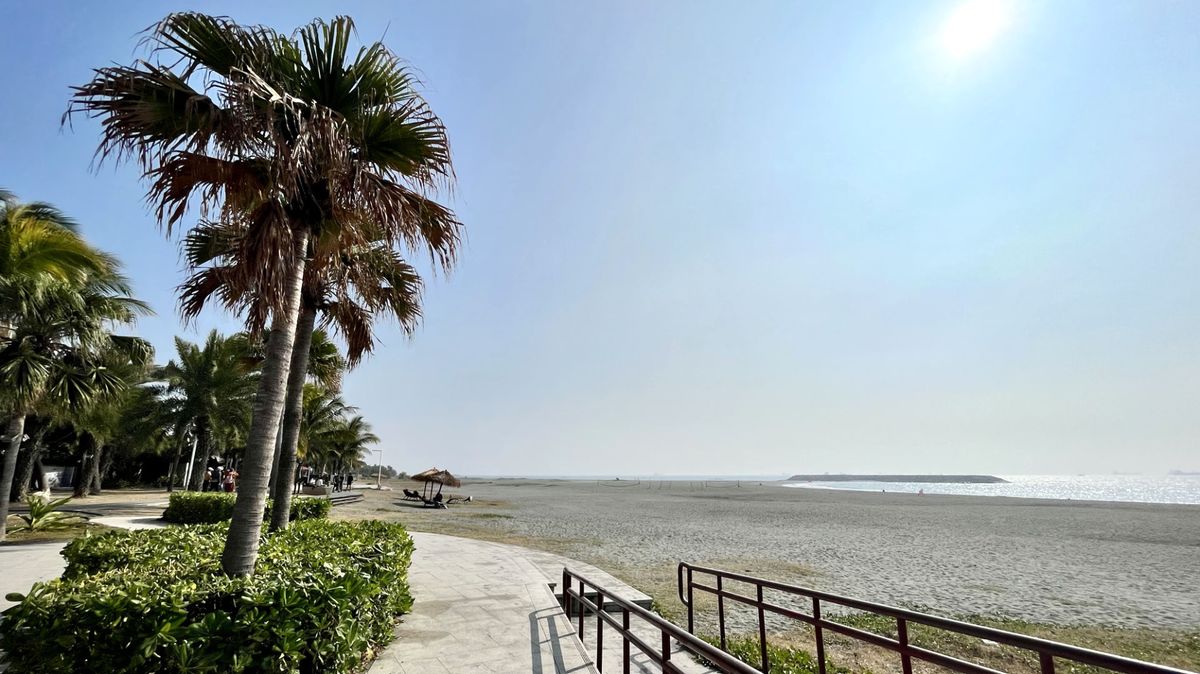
1046,651
575,603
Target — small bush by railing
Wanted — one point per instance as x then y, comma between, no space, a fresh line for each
191,507
324,596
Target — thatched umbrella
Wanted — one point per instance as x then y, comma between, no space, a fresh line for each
435,476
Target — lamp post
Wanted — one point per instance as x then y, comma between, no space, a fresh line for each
379,469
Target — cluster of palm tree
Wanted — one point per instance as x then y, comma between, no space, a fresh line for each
314,168
59,301
67,381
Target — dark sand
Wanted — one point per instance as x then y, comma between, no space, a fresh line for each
1068,562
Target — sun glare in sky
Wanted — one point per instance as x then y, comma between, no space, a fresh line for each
973,26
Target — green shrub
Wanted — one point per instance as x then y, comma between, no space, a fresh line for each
323,597
313,508
194,507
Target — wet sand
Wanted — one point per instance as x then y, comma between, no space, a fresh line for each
1065,562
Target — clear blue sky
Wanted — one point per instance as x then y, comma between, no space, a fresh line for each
767,237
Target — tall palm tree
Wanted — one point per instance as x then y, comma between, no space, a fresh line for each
295,137
211,388
345,287
59,353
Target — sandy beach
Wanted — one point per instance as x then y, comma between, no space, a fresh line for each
1064,562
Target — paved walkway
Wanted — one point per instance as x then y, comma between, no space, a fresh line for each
487,607
26,564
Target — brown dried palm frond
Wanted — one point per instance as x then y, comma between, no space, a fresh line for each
350,286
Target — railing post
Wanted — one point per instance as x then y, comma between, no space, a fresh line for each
582,598
721,613
625,638
762,634
666,650
566,593
819,635
1047,662
691,611
902,637
599,630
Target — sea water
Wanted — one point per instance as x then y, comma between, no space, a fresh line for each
1132,488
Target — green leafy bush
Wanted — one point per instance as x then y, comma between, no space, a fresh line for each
323,597
309,508
194,507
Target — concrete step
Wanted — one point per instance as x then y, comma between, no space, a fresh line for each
344,497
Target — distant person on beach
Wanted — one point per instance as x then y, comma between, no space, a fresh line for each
349,480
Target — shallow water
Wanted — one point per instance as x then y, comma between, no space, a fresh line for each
1120,488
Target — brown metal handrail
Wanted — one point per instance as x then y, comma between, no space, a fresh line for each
1046,650
573,600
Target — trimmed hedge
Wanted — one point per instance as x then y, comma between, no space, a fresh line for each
324,596
195,507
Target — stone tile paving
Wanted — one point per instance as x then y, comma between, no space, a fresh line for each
488,607
24,564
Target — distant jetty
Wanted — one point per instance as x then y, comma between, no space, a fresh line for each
931,479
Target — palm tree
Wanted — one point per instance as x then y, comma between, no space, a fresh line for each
109,416
295,138
321,412
347,442
38,243
39,246
211,389
59,354
347,288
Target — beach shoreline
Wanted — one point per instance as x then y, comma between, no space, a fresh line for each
1127,565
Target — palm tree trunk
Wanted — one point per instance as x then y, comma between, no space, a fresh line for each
203,442
279,438
291,419
87,456
27,462
100,468
175,462
241,544
13,434
39,473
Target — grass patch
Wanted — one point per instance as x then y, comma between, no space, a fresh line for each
18,537
489,516
782,659
1175,648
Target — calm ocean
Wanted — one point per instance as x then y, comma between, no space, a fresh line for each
1135,488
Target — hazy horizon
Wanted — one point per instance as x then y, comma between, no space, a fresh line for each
717,238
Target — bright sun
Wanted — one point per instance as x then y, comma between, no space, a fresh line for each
973,26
